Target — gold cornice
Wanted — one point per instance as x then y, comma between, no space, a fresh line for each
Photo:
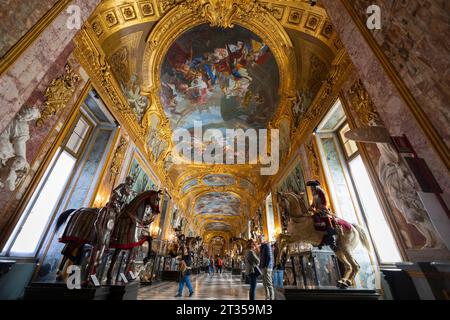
325,98
16,51
93,60
419,114
293,15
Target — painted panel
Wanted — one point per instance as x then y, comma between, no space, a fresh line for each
220,203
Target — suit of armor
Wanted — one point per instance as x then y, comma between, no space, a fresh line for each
322,218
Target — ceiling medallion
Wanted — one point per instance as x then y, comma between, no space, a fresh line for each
222,13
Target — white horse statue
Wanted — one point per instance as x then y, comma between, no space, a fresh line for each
301,229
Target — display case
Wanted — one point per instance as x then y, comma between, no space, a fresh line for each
312,269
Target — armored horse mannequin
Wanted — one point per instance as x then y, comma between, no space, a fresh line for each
301,228
102,230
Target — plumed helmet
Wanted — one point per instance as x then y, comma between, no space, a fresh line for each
313,183
129,180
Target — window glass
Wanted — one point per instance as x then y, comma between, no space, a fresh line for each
42,208
78,135
381,234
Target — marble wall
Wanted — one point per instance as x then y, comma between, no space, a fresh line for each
414,37
390,104
19,82
409,236
18,17
41,138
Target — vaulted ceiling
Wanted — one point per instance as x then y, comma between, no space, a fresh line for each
216,199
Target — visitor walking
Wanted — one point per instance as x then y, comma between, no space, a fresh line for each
219,265
207,265
266,265
211,266
280,263
185,270
251,267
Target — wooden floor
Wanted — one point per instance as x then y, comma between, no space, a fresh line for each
218,287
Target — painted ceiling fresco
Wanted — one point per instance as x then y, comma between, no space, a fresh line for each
218,203
189,185
226,78
217,180
217,226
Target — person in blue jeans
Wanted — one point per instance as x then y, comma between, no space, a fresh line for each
278,273
185,269
251,264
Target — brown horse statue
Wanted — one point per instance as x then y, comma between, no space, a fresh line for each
301,229
92,226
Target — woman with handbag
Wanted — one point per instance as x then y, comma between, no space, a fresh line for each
252,267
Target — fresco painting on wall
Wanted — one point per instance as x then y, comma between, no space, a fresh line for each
222,203
142,180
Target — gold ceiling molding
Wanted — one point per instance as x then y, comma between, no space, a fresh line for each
188,14
324,100
364,107
58,94
113,16
93,60
183,18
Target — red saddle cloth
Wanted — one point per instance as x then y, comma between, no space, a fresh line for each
320,223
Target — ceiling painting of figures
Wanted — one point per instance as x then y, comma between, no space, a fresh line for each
225,78
217,180
218,203
218,226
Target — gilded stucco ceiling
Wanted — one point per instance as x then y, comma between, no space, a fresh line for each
216,198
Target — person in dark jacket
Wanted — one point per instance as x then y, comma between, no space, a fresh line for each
266,265
251,267
185,270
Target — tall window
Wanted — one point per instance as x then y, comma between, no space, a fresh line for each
351,184
29,232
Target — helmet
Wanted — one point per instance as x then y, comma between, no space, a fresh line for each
313,183
129,180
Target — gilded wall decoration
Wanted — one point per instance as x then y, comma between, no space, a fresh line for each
364,106
117,161
58,94
313,161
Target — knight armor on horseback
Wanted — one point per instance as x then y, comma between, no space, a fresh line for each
323,220
122,194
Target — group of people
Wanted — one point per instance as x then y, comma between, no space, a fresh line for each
261,259
214,265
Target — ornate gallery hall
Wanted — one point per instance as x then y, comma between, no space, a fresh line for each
224,150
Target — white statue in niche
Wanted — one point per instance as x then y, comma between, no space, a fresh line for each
398,182
401,187
13,147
